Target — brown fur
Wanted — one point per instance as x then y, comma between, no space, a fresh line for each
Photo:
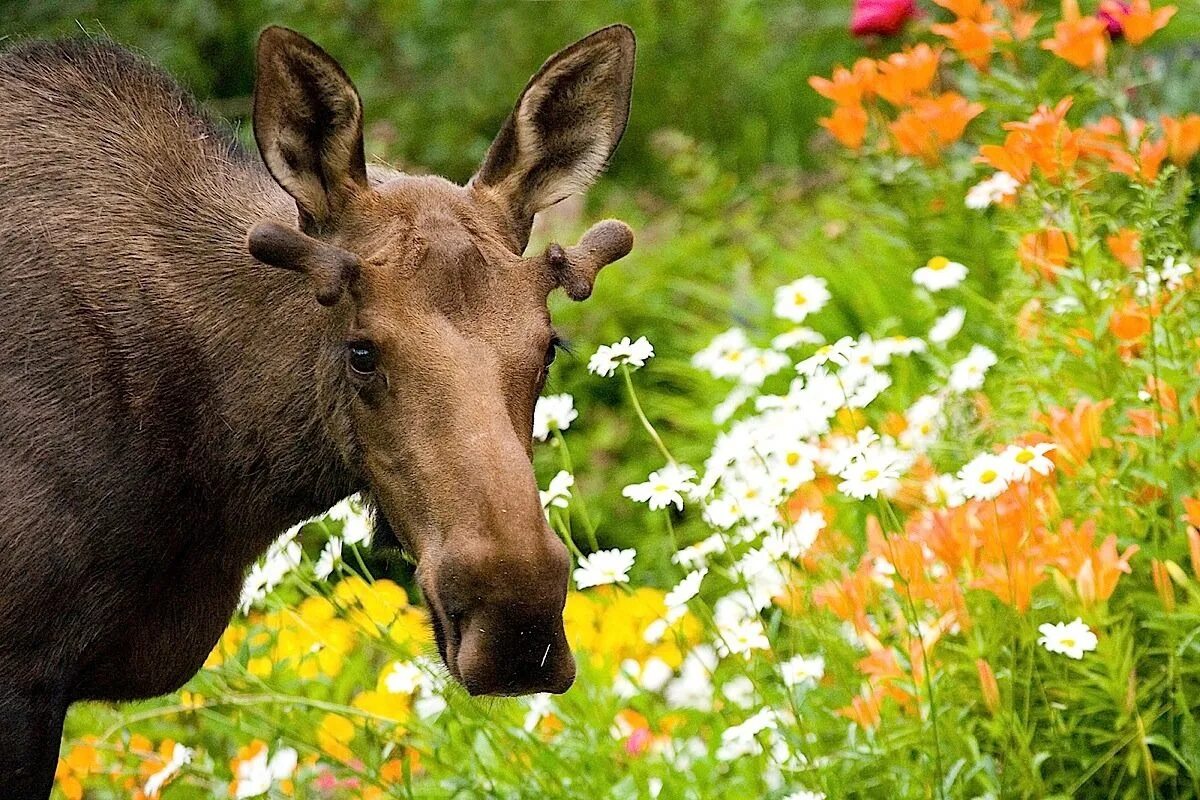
171,402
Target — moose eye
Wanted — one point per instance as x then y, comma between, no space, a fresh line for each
551,352
362,357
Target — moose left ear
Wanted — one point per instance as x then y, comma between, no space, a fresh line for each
330,268
565,126
308,124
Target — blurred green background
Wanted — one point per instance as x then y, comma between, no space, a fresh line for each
723,172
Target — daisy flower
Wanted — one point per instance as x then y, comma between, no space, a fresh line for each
947,326
804,794
1024,460
608,357
1072,639
255,775
180,756
331,556
603,567
869,475
837,353
796,337
677,599
741,635
984,477
553,412
967,375
403,678
939,273
801,297
992,191
558,493
724,355
799,670
945,490
665,487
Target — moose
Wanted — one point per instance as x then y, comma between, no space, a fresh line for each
200,348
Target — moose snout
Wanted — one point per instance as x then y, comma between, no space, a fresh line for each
503,615
506,653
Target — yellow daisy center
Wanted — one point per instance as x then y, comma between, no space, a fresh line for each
793,459
938,263
871,474
988,475
1024,457
799,299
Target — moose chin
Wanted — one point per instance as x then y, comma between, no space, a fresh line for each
201,347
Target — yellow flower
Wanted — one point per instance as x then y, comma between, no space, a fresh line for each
334,735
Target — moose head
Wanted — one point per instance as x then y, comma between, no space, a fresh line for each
439,337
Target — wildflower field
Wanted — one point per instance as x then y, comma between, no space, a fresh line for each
882,479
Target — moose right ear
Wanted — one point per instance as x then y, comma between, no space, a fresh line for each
330,268
565,126
308,125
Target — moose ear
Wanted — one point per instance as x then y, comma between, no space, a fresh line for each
565,126
308,125
330,268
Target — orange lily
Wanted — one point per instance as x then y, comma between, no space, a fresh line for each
1078,40
932,124
1126,247
973,39
907,73
847,124
1046,252
1076,432
1183,138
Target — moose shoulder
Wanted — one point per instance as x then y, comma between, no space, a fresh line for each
201,348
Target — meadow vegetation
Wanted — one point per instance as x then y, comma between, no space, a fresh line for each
878,456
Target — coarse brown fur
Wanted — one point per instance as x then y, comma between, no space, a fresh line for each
171,403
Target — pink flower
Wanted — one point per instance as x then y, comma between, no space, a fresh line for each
1111,19
882,17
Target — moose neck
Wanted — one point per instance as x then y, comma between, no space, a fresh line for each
276,434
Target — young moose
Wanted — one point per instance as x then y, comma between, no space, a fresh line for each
198,350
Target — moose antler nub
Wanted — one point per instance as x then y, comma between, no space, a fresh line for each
575,267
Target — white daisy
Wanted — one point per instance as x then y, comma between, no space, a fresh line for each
180,756
968,374
740,740
984,477
331,556
603,567
947,326
678,598
945,490
664,487
608,357
801,297
799,670
869,475
558,493
553,412
1072,639
939,273
741,636
804,794
796,337
404,678
1024,460
836,353
256,775
991,191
